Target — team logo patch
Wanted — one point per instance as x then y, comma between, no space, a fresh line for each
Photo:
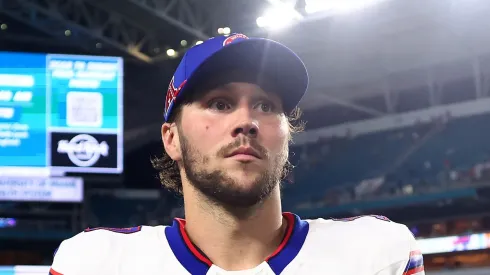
172,93
124,230
348,219
232,38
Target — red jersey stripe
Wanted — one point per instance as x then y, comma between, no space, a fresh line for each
53,272
414,271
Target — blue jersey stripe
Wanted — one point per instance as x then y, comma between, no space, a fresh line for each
182,252
279,262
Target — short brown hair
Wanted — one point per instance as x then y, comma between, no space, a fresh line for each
168,169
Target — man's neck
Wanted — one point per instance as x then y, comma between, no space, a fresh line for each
234,243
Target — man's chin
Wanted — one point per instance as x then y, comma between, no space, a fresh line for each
246,176
242,194
232,186
236,199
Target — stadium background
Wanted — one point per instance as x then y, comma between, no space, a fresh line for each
397,115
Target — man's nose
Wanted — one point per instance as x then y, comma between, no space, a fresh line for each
247,126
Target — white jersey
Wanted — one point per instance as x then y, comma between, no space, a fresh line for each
365,245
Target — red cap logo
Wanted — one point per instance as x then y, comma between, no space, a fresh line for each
231,38
172,93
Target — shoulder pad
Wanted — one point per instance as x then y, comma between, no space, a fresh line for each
84,253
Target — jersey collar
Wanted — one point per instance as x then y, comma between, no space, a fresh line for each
195,262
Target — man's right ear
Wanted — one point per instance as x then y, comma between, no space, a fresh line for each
170,138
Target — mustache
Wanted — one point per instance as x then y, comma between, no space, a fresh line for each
243,141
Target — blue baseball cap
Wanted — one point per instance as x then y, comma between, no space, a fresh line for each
263,57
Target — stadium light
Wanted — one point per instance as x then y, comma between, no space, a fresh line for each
198,42
225,30
3,27
338,6
278,17
67,33
171,52
183,43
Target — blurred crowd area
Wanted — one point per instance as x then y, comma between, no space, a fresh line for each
444,154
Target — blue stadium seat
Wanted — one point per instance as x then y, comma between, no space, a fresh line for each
348,161
461,143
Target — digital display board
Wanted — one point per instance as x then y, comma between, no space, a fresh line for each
62,113
56,189
448,244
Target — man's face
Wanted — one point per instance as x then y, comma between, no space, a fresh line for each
234,143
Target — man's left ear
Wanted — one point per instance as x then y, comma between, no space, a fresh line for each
170,139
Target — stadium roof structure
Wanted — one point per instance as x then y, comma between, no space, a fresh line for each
394,45
137,29
376,60
391,57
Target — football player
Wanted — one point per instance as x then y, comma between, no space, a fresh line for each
229,114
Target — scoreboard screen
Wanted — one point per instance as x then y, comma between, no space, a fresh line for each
60,113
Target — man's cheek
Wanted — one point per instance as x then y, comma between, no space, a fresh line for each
283,129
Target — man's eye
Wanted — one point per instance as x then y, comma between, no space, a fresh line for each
265,107
220,105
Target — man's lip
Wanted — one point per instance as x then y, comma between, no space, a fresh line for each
245,151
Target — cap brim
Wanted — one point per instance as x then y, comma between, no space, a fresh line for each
270,61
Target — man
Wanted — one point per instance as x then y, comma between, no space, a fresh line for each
227,128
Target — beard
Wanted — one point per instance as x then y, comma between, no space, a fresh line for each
219,188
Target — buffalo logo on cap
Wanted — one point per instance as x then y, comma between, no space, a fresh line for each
232,38
172,94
